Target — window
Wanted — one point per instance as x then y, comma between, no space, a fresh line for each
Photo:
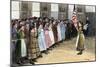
15,5
15,15
63,9
35,6
70,11
36,14
90,9
15,10
36,9
54,7
54,11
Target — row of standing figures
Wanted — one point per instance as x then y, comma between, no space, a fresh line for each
43,39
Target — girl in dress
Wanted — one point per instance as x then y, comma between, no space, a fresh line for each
13,42
41,39
62,30
21,51
59,32
47,37
55,32
51,34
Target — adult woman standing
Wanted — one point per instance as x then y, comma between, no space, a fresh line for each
80,39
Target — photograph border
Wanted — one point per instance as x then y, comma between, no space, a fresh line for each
49,63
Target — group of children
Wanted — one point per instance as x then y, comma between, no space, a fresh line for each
33,36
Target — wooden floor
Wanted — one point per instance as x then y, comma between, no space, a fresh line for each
66,52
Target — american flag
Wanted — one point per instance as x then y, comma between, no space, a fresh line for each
74,17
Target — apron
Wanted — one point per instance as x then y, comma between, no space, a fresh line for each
23,48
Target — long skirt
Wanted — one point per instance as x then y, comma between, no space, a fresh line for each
13,47
23,48
59,33
51,37
41,41
63,33
20,49
34,50
47,39
55,32
80,42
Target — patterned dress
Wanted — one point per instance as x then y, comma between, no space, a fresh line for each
33,49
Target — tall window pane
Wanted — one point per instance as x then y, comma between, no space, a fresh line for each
36,9
15,5
15,15
54,11
90,8
35,6
36,14
54,7
15,10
